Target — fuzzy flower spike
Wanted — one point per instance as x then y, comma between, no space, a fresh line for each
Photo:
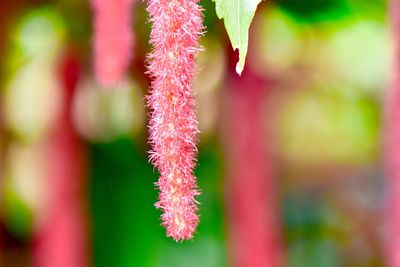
112,39
176,29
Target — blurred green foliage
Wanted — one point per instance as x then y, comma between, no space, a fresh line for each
126,230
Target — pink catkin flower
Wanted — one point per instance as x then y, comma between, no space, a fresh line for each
61,239
392,149
176,29
112,39
253,217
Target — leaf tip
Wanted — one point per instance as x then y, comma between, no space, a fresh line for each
239,68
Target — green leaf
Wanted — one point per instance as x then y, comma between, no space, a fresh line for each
237,16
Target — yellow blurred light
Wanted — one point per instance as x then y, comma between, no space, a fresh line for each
212,68
32,95
32,99
39,32
327,126
102,114
359,53
26,172
277,42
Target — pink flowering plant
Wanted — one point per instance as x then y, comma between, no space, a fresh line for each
112,45
177,26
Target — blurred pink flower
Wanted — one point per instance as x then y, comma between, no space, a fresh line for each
392,150
112,39
61,239
176,28
252,194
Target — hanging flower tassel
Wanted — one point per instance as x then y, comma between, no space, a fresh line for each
61,239
392,148
252,202
176,29
112,39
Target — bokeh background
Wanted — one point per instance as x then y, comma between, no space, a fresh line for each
290,154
